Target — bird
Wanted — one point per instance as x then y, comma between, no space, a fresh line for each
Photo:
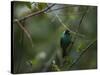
65,42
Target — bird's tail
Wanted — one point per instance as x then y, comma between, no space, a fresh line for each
64,54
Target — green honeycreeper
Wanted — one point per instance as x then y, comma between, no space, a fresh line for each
64,42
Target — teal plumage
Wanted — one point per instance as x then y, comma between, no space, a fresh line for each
65,41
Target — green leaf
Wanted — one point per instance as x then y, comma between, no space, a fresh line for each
42,5
28,4
68,60
80,46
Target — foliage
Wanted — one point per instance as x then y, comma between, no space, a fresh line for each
37,30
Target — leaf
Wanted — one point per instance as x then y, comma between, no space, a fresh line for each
68,60
42,5
28,4
80,46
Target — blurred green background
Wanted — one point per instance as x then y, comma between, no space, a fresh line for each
46,29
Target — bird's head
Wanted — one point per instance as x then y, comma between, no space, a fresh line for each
67,32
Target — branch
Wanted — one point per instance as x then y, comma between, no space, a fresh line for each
83,16
81,20
82,53
62,22
49,62
65,26
36,13
26,32
61,8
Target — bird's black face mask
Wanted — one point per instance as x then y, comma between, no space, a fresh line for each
67,32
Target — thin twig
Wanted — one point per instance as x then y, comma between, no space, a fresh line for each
56,9
65,26
82,53
60,8
83,16
36,13
22,45
25,30
62,22
81,20
49,61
